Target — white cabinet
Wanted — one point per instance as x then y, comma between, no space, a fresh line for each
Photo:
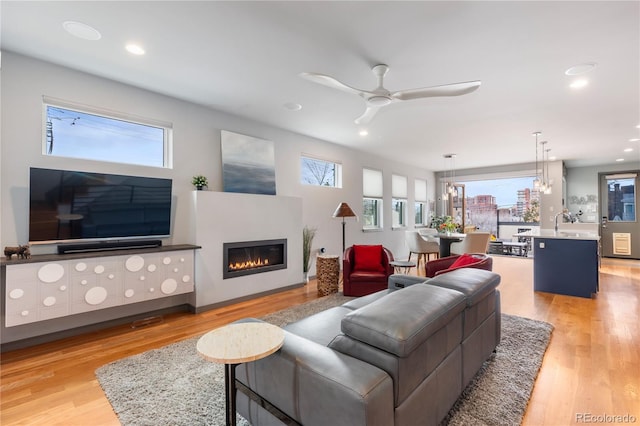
39,291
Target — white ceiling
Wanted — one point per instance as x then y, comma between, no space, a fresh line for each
245,57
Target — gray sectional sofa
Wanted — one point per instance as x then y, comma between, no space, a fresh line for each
401,356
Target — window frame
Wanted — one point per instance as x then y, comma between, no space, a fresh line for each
420,207
167,130
337,174
377,215
372,191
401,213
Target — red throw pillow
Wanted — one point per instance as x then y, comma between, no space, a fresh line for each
464,260
368,258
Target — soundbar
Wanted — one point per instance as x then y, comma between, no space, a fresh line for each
107,245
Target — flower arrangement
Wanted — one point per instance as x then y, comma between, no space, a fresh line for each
445,224
199,181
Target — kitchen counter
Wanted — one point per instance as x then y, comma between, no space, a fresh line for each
566,262
560,234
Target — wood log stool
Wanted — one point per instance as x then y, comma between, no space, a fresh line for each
327,274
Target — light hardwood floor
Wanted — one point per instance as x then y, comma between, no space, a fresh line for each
592,365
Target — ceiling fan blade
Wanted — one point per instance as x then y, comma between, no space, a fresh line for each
329,81
367,116
455,89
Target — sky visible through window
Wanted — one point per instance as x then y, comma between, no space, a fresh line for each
81,135
505,190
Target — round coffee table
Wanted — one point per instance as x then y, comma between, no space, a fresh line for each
237,343
402,266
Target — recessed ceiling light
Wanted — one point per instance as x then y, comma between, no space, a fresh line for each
619,159
135,49
634,140
628,149
580,68
553,158
292,106
579,84
363,132
638,126
80,30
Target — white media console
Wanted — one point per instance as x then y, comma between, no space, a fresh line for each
50,287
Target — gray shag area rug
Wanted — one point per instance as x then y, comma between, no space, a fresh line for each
174,386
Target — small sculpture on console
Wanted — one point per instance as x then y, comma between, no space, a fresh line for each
22,252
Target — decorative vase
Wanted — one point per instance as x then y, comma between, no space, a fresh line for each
199,187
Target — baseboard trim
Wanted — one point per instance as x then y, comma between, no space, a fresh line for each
199,309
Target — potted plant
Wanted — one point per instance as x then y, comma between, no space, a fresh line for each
199,182
307,240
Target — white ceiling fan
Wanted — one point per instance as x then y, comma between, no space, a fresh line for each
380,96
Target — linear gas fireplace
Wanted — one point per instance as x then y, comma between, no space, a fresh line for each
253,257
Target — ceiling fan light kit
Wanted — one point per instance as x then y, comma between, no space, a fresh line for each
380,97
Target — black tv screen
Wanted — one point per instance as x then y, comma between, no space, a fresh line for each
69,205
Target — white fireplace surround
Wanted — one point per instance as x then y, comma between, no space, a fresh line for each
223,217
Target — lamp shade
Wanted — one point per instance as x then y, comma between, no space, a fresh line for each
344,210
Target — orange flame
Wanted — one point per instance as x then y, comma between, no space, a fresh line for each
238,266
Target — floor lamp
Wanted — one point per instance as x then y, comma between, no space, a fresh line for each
343,211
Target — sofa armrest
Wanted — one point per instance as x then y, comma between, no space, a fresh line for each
398,281
316,385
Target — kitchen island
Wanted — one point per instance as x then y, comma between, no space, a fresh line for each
566,262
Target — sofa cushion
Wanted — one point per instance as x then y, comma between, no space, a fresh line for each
364,300
368,258
476,284
321,327
402,320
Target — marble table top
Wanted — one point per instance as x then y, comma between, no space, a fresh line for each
240,342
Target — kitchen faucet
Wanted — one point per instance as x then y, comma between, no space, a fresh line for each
565,214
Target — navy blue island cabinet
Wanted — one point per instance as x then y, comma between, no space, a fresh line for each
566,266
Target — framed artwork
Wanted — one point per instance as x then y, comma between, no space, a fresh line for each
248,164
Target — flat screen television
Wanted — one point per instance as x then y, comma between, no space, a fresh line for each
75,206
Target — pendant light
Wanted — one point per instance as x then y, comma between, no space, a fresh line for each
536,181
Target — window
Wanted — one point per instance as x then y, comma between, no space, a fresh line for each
495,203
92,135
314,171
399,201
621,199
420,188
371,199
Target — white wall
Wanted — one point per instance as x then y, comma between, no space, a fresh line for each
276,217
196,150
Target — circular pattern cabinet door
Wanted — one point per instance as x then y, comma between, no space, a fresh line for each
95,295
50,273
134,263
169,286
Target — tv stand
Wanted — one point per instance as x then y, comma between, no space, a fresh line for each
107,246
55,295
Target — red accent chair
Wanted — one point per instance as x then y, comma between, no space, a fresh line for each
451,263
366,269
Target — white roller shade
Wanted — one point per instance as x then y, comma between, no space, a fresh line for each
372,183
398,186
421,190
